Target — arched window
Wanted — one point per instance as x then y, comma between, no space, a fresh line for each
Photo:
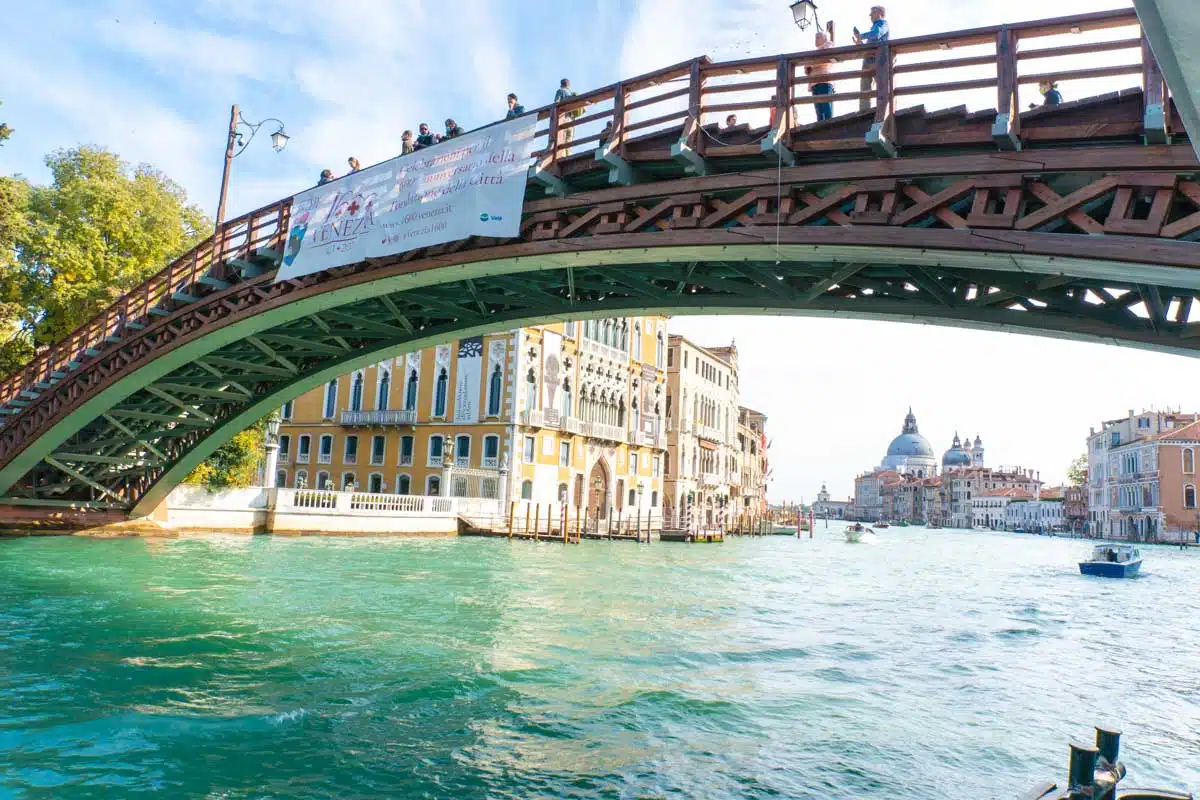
623,344
330,399
608,332
491,451
303,449
301,479
403,484
410,392
356,392
1189,460
349,482
440,393
562,493
375,483
435,451
433,485
635,416
462,450
385,389
281,478
637,341
494,389
658,359
323,481
530,391
325,449
1189,496
526,490
621,413
566,398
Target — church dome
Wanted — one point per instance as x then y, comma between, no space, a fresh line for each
910,444
956,456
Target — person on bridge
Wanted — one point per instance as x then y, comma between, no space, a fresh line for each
515,109
453,129
731,122
1050,94
354,165
326,177
878,33
824,41
425,137
406,143
564,93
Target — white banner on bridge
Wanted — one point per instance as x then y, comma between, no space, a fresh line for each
473,185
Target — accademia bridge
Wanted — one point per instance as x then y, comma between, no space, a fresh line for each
1077,221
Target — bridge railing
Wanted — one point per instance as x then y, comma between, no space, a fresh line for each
680,101
262,228
988,64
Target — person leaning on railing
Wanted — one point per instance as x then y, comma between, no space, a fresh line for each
878,33
824,41
515,109
564,93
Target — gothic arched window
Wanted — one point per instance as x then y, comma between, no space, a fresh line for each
410,392
356,392
385,389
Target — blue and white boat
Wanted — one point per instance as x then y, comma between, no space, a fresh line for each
1112,561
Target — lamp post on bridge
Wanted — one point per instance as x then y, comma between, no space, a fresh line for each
236,139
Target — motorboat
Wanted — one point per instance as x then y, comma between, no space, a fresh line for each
783,530
859,534
902,523
1113,561
881,524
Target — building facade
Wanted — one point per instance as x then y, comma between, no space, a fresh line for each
965,484
1075,507
826,508
567,413
712,477
1139,474
989,509
1035,515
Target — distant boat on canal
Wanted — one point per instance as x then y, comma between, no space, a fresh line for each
783,530
1113,561
859,534
881,524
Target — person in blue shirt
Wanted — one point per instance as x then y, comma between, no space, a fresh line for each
515,109
878,33
425,137
326,177
1050,93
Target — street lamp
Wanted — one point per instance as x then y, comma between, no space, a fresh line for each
271,445
238,128
804,13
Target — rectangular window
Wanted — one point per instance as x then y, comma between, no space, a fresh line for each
286,411
435,451
285,447
377,446
685,359
351,450
633,463
1116,438
670,358
406,451
529,445
657,466
305,446
325,454
564,454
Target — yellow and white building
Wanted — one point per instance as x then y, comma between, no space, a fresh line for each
566,413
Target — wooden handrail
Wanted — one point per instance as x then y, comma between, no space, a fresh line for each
691,100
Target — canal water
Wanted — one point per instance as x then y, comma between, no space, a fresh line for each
930,665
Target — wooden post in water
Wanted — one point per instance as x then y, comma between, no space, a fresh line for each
512,509
578,525
1082,769
528,517
608,522
537,521
565,530
639,526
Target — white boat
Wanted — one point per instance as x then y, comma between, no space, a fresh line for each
859,534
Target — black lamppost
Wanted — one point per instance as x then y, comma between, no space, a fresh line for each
238,127
804,13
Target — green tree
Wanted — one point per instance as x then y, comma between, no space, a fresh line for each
99,229
16,344
1077,470
235,464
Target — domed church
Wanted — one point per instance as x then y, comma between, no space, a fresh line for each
910,452
963,454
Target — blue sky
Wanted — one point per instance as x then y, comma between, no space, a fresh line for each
153,81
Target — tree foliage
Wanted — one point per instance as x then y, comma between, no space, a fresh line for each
235,464
1077,470
69,249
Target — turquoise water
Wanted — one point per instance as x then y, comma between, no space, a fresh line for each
930,665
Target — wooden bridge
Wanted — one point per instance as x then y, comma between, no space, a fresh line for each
1078,221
